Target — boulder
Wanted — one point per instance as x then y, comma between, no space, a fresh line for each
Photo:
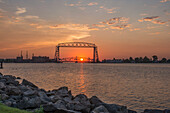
131,111
60,104
24,88
4,97
2,85
8,103
13,90
55,98
27,103
63,92
113,108
96,101
44,98
52,108
100,109
18,78
30,92
16,97
12,81
27,83
9,77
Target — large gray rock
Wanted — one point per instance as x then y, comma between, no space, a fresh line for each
52,108
60,104
12,81
2,85
4,97
8,103
100,109
84,104
27,83
63,92
96,101
44,98
30,92
113,108
13,90
24,88
55,98
131,111
27,103
9,77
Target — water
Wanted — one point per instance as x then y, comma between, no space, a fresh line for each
137,86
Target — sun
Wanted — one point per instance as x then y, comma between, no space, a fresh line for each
81,59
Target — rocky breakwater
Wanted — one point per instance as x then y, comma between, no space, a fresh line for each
29,97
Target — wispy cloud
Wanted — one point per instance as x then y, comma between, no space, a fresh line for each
116,20
77,27
148,18
92,3
134,29
111,10
20,11
120,27
152,19
158,22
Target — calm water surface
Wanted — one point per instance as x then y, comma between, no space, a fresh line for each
138,86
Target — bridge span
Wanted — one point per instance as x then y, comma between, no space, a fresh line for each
77,45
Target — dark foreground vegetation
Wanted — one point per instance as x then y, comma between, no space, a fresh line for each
28,97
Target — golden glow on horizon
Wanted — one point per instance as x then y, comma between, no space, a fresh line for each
81,59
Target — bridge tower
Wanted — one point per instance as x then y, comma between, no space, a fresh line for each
77,45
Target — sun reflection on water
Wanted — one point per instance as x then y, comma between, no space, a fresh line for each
82,80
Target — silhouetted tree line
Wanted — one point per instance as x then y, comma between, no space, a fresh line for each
145,59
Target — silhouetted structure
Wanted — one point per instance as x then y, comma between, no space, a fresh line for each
77,45
40,59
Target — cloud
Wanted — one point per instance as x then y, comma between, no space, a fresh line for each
143,14
98,25
113,21
20,11
77,4
158,22
77,27
152,19
111,10
164,1
120,27
148,18
135,29
92,3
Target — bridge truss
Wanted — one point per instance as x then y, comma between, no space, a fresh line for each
77,45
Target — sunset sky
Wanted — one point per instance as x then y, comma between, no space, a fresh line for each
120,28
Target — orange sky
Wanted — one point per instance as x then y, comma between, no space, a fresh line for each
120,29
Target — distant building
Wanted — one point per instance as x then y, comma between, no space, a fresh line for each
40,59
19,58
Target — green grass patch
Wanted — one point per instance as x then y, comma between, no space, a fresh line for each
6,109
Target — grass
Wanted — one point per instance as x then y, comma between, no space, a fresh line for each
6,109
